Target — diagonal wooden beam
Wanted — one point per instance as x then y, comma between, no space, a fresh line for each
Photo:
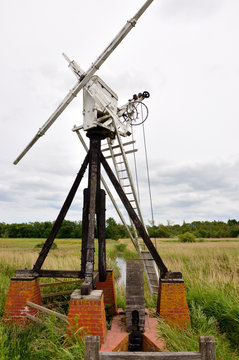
134,217
48,243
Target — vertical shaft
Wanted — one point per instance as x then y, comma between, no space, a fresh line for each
101,235
93,188
85,225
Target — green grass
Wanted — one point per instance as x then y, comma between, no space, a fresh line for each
210,270
188,340
35,342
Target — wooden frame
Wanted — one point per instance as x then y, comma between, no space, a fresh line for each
206,352
94,205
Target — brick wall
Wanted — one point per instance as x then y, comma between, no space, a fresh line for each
87,313
172,303
20,291
108,287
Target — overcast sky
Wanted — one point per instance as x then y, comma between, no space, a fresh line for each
184,52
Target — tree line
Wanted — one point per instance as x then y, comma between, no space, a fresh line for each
114,230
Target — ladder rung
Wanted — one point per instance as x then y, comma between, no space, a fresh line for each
124,178
129,193
120,154
125,185
121,162
121,170
117,146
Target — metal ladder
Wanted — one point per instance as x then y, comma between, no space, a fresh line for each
117,152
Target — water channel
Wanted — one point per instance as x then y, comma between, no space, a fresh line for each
121,263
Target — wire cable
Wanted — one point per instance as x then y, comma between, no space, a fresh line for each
147,167
135,166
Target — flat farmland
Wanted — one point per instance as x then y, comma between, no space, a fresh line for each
210,269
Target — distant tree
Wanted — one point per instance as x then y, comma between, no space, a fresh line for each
73,229
112,229
234,232
232,222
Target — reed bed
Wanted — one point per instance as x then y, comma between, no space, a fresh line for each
210,270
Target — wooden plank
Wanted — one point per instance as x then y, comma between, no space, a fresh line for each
28,274
61,283
150,356
56,303
92,347
47,311
67,274
49,241
207,347
57,293
41,322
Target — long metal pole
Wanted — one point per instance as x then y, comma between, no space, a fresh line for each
85,78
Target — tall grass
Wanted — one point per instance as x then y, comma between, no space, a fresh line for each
35,342
210,270
201,324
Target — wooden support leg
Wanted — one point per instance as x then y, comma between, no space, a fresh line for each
101,235
48,243
94,187
85,225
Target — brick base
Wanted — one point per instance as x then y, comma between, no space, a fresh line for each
108,288
172,303
21,291
117,338
87,314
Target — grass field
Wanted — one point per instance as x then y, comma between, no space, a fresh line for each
210,270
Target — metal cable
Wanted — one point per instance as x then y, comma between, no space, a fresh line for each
135,166
149,185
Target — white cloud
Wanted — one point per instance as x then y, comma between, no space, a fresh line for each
183,52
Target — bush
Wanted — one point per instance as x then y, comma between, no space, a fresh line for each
187,237
121,247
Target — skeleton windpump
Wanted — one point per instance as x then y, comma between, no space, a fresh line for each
103,119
